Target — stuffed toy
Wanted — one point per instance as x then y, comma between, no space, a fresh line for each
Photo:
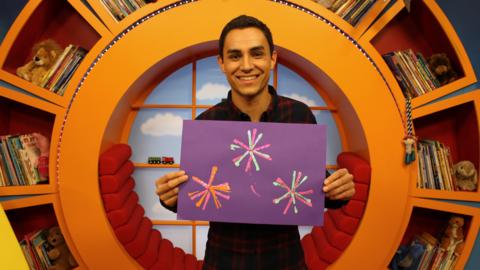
43,145
59,255
452,239
440,66
45,54
465,175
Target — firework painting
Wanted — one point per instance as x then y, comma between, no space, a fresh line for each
232,165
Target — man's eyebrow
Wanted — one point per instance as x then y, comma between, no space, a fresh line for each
258,48
230,51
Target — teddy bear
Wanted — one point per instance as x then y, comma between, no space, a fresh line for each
452,239
45,53
465,175
440,66
59,254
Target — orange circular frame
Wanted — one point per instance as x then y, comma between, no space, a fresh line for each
98,111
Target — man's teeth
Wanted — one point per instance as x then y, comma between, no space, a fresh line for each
249,78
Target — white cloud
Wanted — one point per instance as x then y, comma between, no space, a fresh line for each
213,91
163,124
303,99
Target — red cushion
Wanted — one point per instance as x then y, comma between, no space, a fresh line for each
190,262
112,159
356,165
199,265
113,182
112,201
178,259
337,238
139,244
165,256
361,192
354,208
343,222
309,250
127,231
325,251
120,216
150,256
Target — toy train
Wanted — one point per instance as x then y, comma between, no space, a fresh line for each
161,160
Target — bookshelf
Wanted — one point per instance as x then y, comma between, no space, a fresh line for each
66,22
432,217
30,214
336,66
114,25
455,123
23,114
355,31
424,29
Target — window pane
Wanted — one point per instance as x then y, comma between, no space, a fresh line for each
291,85
175,89
145,187
181,236
211,83
334,143
157,132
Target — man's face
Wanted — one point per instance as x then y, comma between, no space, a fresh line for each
247,61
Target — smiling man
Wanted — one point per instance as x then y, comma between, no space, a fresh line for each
246,56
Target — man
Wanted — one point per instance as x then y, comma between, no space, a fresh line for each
246,56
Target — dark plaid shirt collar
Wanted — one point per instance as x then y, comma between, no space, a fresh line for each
237,114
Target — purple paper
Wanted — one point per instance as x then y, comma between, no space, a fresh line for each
245,172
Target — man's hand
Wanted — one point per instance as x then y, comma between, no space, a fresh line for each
339,185
167,187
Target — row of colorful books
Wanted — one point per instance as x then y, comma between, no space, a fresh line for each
349,10
431,255
19,156
58,76
412,72
40,248
435,169
120,9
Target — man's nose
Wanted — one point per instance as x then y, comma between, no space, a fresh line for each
246,63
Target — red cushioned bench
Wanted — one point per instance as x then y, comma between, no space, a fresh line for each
325,244
126,216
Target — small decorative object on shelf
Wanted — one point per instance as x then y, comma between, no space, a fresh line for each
45,53
46,249
51,66
440,66
161,160
465,176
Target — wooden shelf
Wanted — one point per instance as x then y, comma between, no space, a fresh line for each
432,216
425,29
48,19
455,123
37,212
116,26
355,31
22,114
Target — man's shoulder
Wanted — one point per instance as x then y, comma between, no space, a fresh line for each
217,111
290,102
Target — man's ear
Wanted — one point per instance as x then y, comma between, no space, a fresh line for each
274,59
220,63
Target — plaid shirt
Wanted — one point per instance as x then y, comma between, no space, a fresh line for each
257,246
254,246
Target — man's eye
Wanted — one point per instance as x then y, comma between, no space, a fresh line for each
234,57
257,54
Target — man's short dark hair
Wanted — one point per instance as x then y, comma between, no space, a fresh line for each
241,22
